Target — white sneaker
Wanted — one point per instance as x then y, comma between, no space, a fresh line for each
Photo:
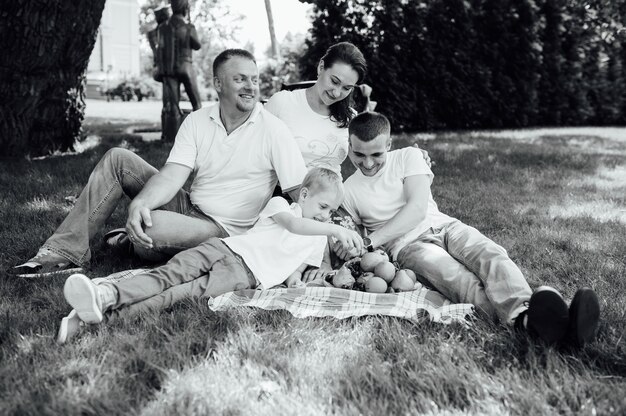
83,295
70,325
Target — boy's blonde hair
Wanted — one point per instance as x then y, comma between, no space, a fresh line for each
322,179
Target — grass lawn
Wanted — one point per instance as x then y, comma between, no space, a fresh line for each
557,203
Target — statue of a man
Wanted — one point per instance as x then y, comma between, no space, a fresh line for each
161,15
176,38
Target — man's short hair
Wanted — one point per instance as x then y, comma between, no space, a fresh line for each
230,53
322,179
367,126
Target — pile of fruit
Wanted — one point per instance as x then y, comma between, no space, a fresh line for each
373,272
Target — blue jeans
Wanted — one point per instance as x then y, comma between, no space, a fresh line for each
467,267
176,226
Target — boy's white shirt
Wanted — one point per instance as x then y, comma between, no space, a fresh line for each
270,251
372,201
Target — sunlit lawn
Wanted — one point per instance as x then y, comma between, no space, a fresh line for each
557,203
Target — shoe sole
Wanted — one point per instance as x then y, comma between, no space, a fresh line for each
62,336
50,274
548,315
79,292
112,240
584,316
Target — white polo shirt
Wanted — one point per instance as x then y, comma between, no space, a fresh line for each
322,143
236,173
271,252
372,201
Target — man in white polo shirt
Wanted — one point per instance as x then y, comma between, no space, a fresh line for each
390,196
238,152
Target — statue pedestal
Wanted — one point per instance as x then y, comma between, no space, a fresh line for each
170,123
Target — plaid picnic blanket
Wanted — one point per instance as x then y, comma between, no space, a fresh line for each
342,303
318,300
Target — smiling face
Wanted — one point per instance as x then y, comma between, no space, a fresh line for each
336,82
369,157
237,84
320,203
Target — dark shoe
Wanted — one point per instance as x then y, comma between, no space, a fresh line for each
548,315
584,317
45,263
118,241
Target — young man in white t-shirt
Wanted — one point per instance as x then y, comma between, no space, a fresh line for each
284,241
390,196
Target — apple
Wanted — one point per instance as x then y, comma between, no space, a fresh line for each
370,260
386,270
367,276
376,285
382,253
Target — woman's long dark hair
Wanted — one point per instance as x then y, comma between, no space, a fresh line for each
347,53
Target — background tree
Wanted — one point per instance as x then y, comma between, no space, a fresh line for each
46,47
448,64
274,73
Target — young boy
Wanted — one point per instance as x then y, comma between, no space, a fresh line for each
283,242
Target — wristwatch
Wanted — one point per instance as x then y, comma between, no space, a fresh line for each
368,244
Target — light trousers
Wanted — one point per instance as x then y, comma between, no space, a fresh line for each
208,270
467,267
177,225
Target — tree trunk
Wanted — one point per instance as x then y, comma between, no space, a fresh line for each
46,46
270,22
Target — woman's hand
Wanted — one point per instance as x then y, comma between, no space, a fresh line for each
425,155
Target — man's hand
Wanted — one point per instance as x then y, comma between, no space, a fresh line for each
349,239
314,274
345,253
138,215
159,190
425,155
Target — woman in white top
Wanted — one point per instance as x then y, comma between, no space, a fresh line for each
318,116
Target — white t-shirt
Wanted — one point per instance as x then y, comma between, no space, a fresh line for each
321,142
271,252
236,173
372,201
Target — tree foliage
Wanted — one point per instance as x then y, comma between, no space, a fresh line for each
483,63
274,73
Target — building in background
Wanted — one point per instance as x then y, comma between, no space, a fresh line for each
115,56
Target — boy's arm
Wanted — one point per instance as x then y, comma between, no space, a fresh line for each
314,273
306,226
295,278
